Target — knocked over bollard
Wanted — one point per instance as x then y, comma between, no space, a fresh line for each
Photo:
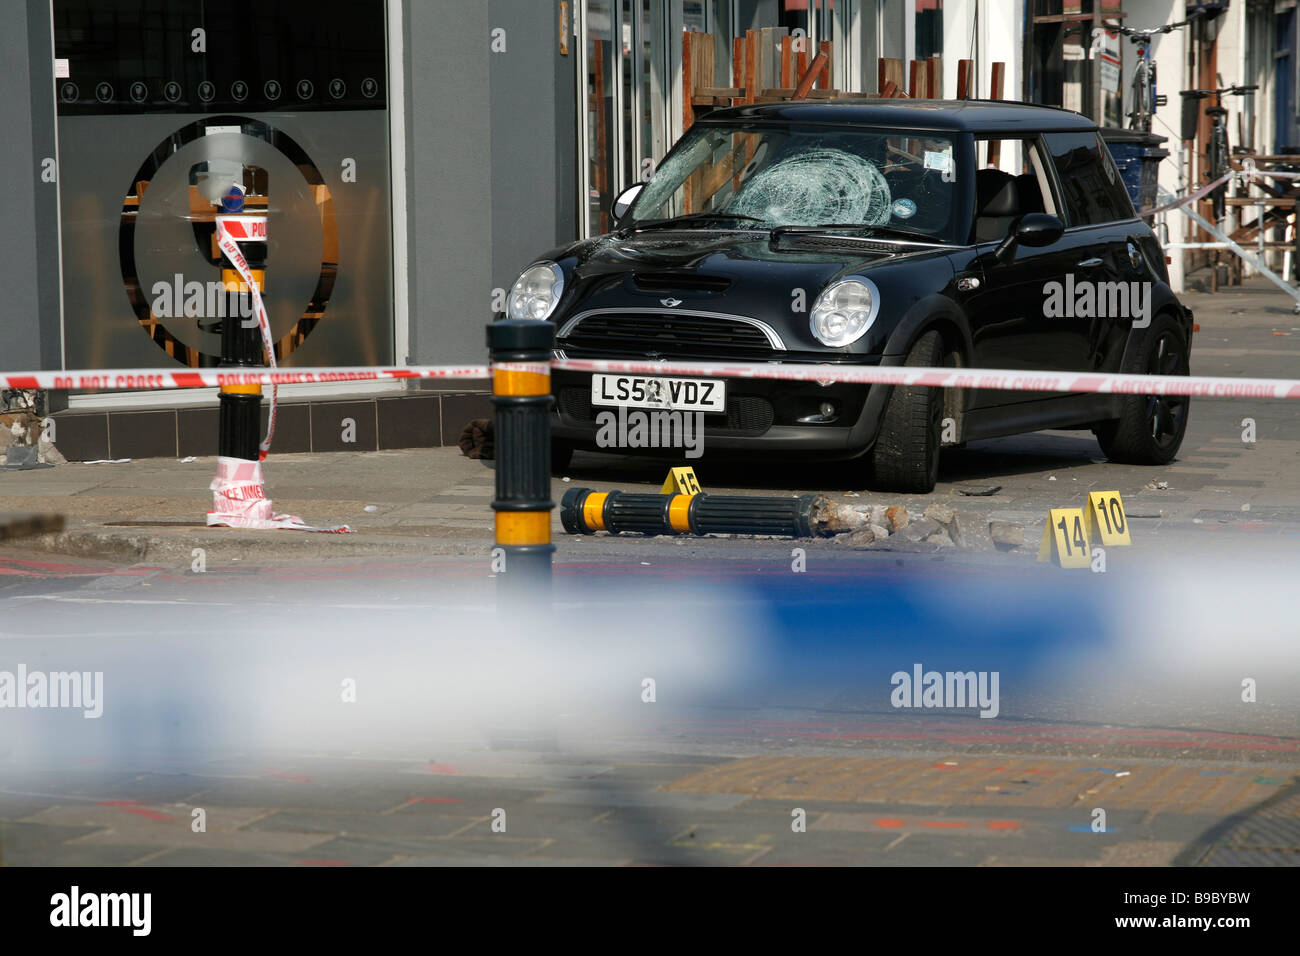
521,398
584,511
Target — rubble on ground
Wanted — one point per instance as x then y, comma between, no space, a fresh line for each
891,527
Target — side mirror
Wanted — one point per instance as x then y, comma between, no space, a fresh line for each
1033,229
623,201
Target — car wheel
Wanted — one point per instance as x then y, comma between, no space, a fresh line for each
1151,427
561,456
906,454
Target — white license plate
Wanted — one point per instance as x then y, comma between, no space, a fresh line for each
674,394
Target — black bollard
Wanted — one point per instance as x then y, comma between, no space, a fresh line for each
520,352
239,425
585,511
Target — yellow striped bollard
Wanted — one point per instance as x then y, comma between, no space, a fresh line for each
520,352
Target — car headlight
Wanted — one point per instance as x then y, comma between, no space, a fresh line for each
845,310
536,293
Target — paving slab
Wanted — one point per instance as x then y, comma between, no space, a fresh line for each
167,826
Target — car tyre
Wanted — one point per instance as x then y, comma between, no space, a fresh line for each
1151,427
905,457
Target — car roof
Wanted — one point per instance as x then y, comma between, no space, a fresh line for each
976,116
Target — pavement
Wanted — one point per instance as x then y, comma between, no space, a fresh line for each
773,740
436,502
503,808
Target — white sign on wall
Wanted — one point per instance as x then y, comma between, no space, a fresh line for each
1108,61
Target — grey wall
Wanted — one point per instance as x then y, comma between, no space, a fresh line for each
29,324
490,161
754,15
533,118
449,194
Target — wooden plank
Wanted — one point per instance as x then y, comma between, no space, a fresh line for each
996,80
995,92
702,72
787,61
889,70
738,64
702,54
1080,17
688,84
824,80
769,56
751,65
810,77
1280,202
965,79
934,72
717,177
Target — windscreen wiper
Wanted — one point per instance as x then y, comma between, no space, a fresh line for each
875,232
691,217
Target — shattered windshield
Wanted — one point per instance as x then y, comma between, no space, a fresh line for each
805,176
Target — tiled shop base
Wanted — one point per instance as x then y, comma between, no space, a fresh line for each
419,420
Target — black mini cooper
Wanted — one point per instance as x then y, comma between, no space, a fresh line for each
872,232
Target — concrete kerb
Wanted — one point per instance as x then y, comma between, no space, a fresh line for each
176,546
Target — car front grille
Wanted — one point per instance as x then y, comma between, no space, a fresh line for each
678,335
746,414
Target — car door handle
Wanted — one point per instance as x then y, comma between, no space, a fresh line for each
1090,263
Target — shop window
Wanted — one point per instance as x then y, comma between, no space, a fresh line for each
929,28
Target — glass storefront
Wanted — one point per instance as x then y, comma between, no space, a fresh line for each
274,114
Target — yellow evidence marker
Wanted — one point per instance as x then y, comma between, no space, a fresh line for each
1065,539
681,481
1104,517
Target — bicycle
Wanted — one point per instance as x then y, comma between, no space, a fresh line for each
1216,152
1145,98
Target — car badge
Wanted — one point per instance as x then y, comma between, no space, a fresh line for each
670,302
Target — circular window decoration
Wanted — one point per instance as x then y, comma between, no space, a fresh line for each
179,285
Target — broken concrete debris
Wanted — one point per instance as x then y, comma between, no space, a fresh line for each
891,527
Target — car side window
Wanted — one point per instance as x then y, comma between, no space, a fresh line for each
1092,190
1010,181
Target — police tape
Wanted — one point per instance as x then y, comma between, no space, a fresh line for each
1193,196
239,501
1017,380
1114,383
152,379
1248,171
